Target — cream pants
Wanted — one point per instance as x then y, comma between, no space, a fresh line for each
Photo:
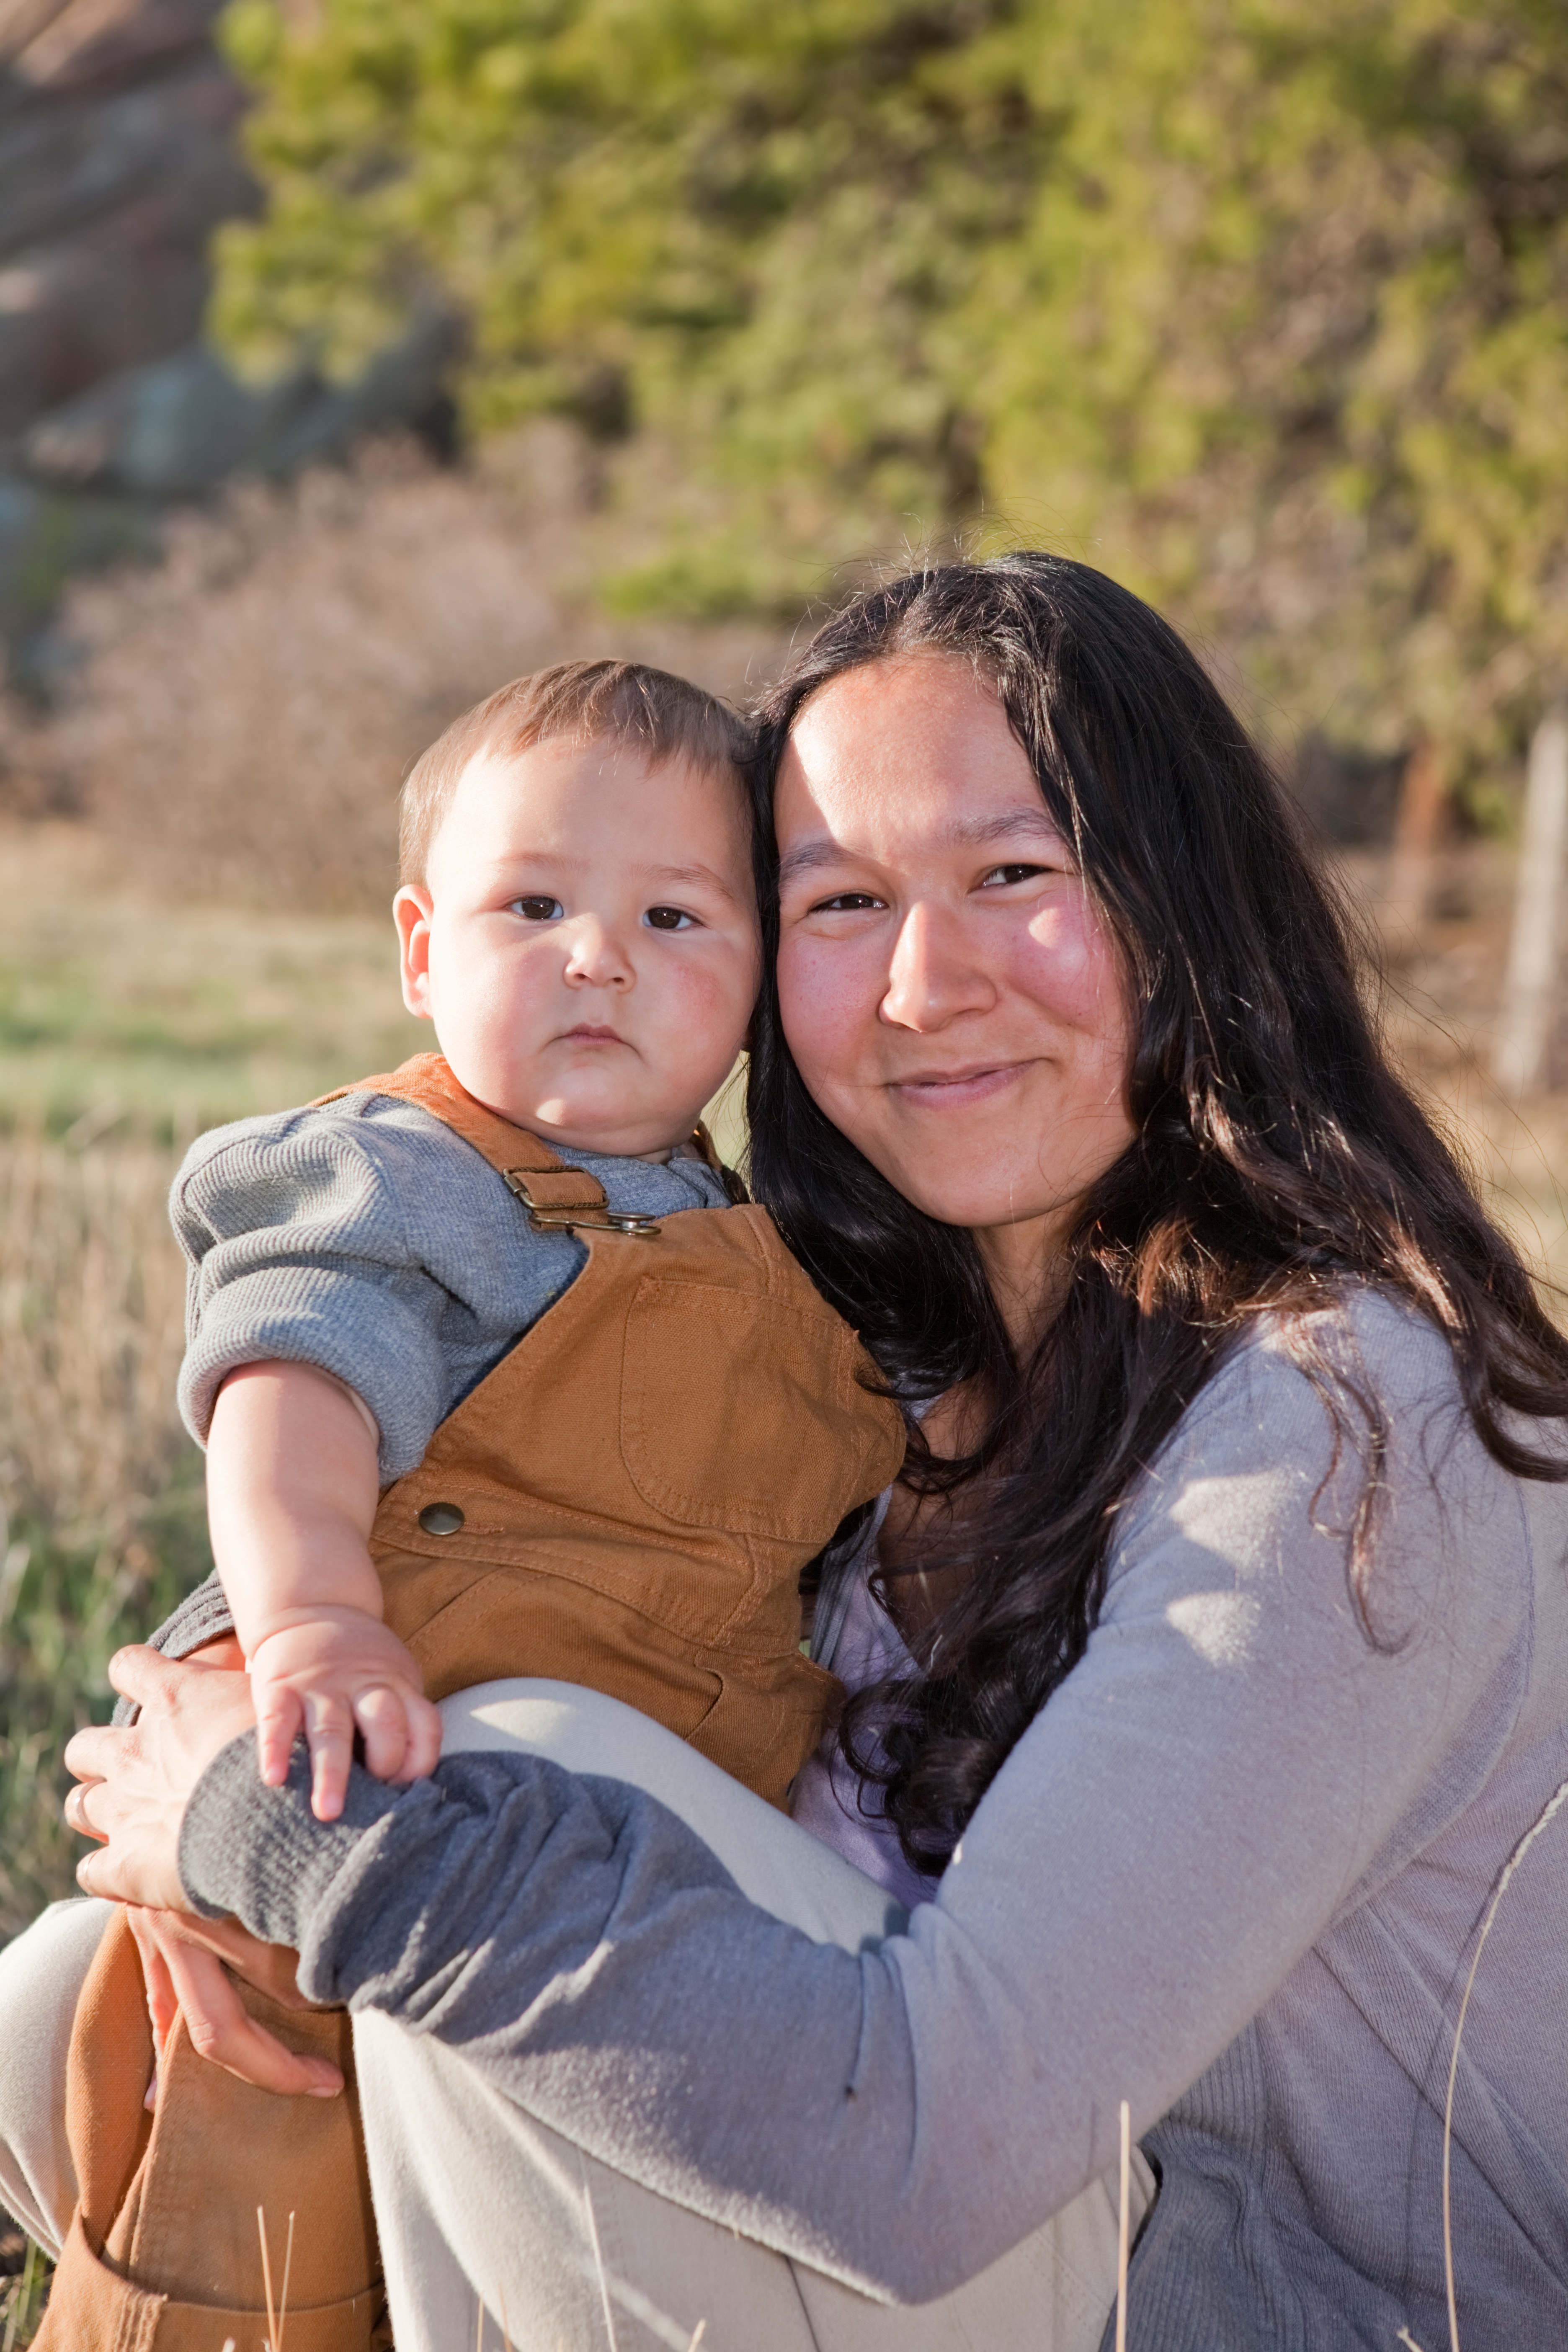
476,2203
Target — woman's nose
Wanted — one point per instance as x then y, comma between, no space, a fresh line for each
933,976
595,957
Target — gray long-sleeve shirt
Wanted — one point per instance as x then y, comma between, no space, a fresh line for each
1233,1873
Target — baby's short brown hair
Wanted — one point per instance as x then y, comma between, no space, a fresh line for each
664,716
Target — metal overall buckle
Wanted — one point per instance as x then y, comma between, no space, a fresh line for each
546,1218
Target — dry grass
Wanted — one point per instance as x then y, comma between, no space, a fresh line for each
91,1325
99,1491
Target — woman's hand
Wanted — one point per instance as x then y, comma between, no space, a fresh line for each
183,1963
136,1781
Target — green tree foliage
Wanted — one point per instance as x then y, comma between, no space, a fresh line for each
1261,304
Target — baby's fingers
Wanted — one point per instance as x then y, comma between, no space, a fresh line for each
330,1729
280,1719
423,1751
382,1714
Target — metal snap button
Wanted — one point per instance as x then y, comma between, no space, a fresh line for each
441,1518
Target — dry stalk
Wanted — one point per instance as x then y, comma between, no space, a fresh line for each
1123,2228
1552,1806
275,2319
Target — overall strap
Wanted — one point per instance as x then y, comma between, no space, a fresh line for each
556,1196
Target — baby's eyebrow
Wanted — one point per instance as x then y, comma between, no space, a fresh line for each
700,874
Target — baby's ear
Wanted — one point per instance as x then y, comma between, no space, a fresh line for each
411,911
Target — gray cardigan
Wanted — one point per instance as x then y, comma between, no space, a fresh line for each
1233,1873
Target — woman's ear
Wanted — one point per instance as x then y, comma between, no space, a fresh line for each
411,911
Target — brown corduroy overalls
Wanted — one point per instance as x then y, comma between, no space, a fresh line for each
627,1501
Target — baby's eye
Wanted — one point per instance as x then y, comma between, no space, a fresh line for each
846,902
537,909
999,875
668,918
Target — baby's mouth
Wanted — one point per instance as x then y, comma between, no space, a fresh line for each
589,1033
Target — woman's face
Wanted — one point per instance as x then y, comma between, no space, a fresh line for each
949,995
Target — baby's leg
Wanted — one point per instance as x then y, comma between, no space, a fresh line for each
41,1976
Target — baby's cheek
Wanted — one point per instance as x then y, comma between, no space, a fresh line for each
710,1002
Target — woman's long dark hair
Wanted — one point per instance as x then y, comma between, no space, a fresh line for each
1276,1154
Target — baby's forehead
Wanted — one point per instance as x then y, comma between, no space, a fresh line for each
602,792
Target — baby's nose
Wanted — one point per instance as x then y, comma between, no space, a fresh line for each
596,955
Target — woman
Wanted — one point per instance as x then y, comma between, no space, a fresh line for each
1223,1668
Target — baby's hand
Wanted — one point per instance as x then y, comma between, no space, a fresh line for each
328,1674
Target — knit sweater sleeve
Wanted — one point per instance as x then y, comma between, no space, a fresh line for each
1231,1767
298,1245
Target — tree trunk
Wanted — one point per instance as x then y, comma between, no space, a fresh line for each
1527,1020
1422,798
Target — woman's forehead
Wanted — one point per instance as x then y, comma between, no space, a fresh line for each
924,691
917,744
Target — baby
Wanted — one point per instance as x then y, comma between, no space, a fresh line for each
497,1372
577,919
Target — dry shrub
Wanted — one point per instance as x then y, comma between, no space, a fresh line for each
242,715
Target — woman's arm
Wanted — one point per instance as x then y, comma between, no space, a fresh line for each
1197,1803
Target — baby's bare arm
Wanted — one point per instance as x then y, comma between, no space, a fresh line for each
292,1499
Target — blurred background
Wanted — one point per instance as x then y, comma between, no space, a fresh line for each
357,354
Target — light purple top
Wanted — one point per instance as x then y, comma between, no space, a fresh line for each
857,1640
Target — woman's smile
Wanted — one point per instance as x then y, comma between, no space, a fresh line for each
958,1089
951,998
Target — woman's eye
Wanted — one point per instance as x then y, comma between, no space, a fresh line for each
846,902
667,918
537,909
1001,874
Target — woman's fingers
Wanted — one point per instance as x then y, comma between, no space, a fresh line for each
162,2000
141,1673
125,1872
136,1781
184,1976
222,2029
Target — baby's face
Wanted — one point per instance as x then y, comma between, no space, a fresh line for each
586,941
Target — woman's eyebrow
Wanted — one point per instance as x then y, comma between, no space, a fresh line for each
963,833
809,855
979,832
